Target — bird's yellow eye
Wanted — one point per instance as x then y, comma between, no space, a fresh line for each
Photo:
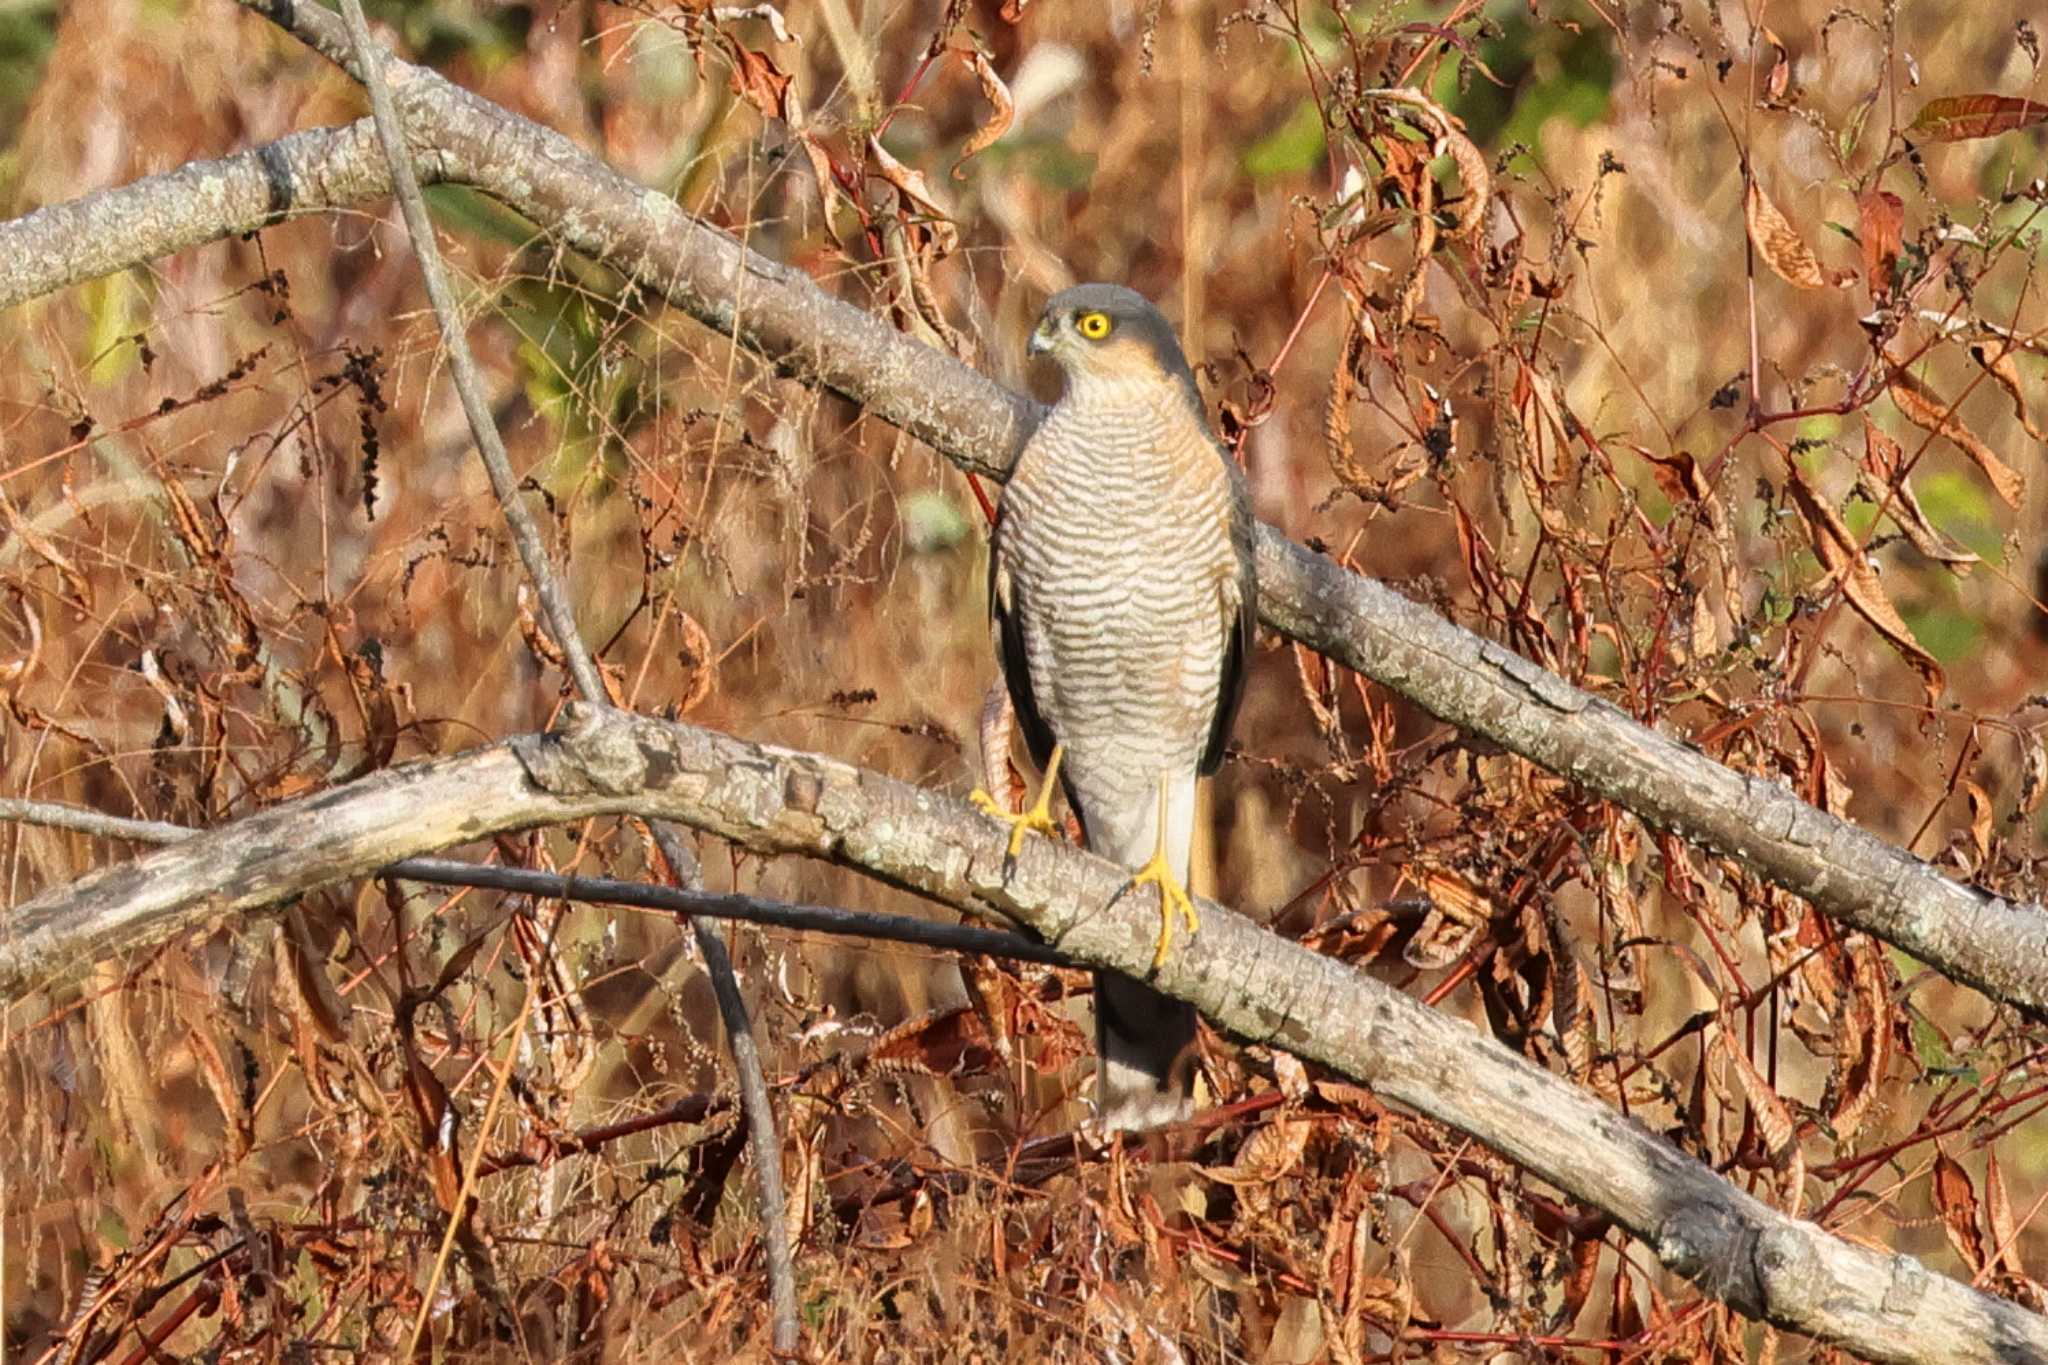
1094,326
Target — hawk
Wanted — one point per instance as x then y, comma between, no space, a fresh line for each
1122,598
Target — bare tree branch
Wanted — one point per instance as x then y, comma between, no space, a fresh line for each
1995,945
1249,981
817,919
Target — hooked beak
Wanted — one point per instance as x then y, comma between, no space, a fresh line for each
1041,338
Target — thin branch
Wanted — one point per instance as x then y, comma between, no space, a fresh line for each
1249,981
731,905
1999,947
765,1143
56,816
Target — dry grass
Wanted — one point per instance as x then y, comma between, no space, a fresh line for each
249,553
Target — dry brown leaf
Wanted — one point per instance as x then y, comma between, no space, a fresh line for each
1290,1077
1881,481
1269,1154
1780,77
1980,819
1457,911
1881,219
947,1042
1864,1055
2033,772
703,661
1924,410
1998,363
917,192
1704,637
1451,141
214,1071
1780,244
2005,1254
829,188
1954,118
321,1002
1956,1200
760,82
1843,558
1001,115
1774,1121
1834,790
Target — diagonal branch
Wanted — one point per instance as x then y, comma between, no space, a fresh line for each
1249,981
1999,947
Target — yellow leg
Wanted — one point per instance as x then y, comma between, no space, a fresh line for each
1173,897
1039,817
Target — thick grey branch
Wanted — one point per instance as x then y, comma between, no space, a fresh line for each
1995,945
818,919
1250,982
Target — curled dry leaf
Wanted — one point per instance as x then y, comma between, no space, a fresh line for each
1882,481
1780,244
1457,911
213,1070
1980,820
2033,772
1290,1076
1996,358
1843,558
1930,413
1002,113
1450,140
1780,77
917,193
1955,118
321,1002
1270,1153
1774,1121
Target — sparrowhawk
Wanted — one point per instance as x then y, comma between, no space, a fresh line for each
1121,596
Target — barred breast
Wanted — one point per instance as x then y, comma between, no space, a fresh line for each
1117,544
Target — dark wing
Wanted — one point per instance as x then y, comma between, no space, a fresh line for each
1006,623
1238,602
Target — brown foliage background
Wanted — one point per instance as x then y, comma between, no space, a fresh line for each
248,553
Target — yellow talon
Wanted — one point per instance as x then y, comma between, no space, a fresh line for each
1173,897
1038,817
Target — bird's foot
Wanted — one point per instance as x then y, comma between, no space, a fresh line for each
1021,823
1173,900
